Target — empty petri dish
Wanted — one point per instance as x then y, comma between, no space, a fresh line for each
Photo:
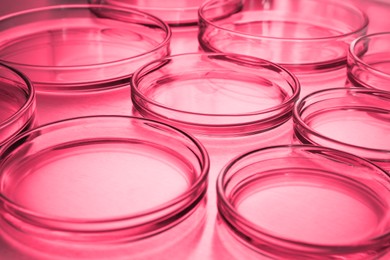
308,37
354,120
306,202
369,61
215,94
81,48
175,13
300,35
17,103
101,181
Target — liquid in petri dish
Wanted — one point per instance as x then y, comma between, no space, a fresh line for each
310,207
98,179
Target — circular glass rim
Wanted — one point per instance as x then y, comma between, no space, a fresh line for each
304,101
142,71
362,27
204,163
175,23
357,60
29,101
221,183
157,21
155,8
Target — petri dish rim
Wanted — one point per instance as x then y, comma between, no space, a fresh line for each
29,101
201,180
220,184
235,57
175,23
361,28
298,119
156,20
355,57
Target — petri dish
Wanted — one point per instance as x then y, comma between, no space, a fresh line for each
101,181
81,47
369,62
17,103
354,120
175,13
303,35
305,202
215,94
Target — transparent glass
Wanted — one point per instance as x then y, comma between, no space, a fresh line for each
17,103
230,102
80,57
305,36
81,47
175,13
354,120
106,187
305,202
215,94
369,62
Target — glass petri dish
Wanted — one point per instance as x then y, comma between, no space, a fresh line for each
354,120
102,180
17,103
369,62
80,48
302,36
306,202
215,94
175,13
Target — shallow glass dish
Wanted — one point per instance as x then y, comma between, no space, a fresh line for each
354,120
369,61
102,181
215,94
301,35
17,103
306,202
64,48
